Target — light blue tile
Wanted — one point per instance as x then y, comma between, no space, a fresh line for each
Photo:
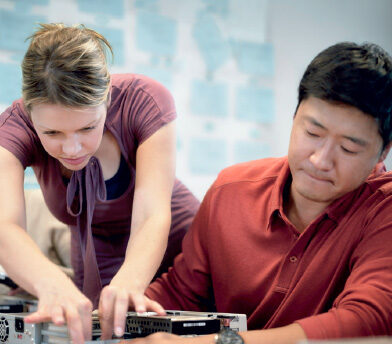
179,144
26,5
254,59
156,34
250,150
15,27
213,47
254,134
17,56
209,127
255,104
164,76
11,83
209,99
150,5
30,181
220,7
207,156
112,8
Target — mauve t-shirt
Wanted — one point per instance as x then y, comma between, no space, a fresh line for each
139,107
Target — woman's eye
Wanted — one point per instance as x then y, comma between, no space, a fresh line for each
88,128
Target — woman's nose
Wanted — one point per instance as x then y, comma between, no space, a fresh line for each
71,147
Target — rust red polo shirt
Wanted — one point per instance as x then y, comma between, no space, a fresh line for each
242,255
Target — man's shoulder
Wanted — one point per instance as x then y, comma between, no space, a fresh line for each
252,171
381,182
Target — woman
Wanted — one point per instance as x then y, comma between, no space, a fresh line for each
103,150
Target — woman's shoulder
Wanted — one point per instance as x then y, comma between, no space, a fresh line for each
137,85
139,93
16,112
16,119
17,133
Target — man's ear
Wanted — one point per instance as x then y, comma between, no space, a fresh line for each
385,152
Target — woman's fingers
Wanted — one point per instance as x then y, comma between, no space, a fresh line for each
85,310
139,302
154,306
120,311
114,304
72,308
75,326
106,311
58,315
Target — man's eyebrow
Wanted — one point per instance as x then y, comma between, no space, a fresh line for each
356,140
314,122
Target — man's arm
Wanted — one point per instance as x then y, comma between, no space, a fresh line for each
187,285
290,334
359,306
364,306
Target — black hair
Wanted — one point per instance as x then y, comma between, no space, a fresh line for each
356,75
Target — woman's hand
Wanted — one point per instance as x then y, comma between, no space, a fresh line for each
65,304
115,300
151,218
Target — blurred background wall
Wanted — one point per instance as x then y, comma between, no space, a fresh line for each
233,66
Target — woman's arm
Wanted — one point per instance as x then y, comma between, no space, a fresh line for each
59,299
151,218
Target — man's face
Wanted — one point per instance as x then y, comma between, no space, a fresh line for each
333,149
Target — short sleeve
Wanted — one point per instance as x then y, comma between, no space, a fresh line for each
150,106
17,134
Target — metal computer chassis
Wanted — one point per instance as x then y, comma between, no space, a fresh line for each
14,330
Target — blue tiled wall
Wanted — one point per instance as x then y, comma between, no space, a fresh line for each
220,78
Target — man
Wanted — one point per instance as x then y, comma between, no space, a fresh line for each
301,244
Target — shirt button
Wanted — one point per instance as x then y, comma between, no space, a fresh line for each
293,259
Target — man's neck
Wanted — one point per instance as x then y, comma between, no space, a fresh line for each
301,211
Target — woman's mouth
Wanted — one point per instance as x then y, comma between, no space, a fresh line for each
74,161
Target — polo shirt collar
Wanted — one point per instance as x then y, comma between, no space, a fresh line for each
276,202
334,211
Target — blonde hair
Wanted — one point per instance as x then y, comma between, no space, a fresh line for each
67,66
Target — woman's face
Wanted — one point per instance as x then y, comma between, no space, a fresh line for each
70,135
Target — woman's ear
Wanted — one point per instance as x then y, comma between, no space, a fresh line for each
109,96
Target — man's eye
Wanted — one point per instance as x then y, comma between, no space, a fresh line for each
311,134
348,151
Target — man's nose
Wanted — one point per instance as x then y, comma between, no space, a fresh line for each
71,146
323,156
